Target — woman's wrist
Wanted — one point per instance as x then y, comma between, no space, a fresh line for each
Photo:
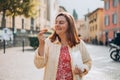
41,50
39,53
85,72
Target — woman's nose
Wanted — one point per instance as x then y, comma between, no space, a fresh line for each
57,24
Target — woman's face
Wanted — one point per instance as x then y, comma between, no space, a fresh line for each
61,25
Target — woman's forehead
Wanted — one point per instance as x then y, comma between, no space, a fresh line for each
61,18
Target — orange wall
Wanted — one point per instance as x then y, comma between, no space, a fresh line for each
109,12
112,28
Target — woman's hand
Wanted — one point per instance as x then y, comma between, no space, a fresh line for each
78,71
41,36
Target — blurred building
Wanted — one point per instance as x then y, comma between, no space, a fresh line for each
46,14
54,9
83,30
96,26
111,19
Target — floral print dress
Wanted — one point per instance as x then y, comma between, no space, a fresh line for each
64,71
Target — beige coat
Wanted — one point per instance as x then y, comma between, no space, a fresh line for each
50,60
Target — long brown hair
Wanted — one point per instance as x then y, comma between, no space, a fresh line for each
71,34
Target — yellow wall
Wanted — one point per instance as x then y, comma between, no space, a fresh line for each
96,24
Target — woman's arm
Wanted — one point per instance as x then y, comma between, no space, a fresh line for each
41,60
42,51
87,61
38,60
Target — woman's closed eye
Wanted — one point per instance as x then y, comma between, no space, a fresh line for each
60,22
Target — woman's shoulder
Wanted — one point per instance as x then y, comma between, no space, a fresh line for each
47,40
81,43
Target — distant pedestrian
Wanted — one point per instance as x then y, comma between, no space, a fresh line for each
117,39
63,55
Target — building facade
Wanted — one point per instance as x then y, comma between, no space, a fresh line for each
46,13
96,26
111,19
83,30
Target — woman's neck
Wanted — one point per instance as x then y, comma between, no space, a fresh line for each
63,40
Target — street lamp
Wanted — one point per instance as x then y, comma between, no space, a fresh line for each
32,25
23,31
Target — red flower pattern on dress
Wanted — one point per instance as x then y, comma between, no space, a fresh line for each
64,71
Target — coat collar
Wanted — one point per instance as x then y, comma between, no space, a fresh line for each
57,41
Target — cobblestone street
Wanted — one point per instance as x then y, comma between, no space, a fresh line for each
18,65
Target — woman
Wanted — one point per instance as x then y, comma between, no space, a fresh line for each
54,53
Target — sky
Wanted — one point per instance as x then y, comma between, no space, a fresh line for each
81,6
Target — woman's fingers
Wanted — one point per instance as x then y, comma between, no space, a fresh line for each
77,70
44,30
41,35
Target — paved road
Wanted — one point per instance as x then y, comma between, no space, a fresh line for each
16,65
103,68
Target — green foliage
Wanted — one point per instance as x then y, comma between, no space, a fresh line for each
34,42
4,5
63,8
75,15
28,8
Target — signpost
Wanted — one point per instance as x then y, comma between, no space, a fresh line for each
23,41
6,36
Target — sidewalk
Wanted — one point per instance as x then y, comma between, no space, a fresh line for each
18,65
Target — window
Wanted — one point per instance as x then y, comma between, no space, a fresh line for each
32,24
107,5
106,19
22,23
96,27
96,15
114,18
115,3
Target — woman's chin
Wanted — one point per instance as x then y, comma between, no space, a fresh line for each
58,32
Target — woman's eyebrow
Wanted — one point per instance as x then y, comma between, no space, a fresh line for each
60,21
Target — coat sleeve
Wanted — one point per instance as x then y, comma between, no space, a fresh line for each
40,61
87,61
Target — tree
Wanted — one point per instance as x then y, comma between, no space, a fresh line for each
63,8
13,8
28,8
4,5
75,15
